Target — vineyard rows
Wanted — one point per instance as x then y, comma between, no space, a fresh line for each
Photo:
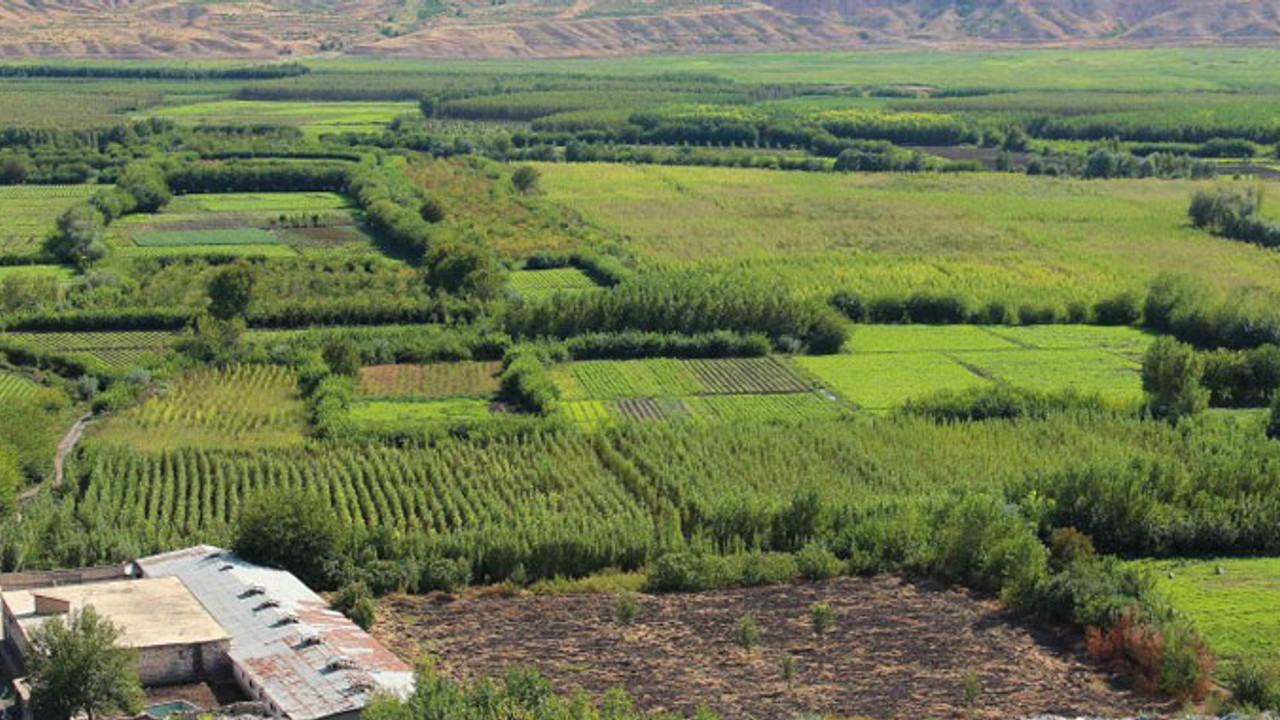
242,406
81,341
13,387
607,379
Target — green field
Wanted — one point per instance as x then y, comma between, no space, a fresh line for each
56,272
1180,69
282,224
314,119
192,238
890,364
399,415
1236,610
28,213
535,284
985,237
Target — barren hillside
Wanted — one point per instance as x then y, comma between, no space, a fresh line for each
548,28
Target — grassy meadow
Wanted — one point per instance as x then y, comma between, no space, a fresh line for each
983,236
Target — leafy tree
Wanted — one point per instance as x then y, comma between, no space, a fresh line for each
14,169
526,178
211,340
78,669
342,356
147,185
78,238
289,529
231,291
1171,373
462,268
431,210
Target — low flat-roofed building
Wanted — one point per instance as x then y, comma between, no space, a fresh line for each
177,640
289,650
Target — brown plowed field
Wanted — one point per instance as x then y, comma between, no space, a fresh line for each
899,650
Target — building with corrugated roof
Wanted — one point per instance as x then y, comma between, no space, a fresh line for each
204,614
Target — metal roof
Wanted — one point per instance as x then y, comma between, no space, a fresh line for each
309,660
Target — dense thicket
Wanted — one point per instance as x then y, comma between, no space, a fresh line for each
687,304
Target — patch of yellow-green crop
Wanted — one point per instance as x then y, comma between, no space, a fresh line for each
985,237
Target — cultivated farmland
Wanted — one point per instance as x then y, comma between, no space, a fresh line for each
27,214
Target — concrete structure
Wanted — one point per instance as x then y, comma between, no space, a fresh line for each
176,638
288,649
201,614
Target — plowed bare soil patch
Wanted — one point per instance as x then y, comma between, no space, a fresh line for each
899,650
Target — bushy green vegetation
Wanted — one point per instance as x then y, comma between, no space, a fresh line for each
405,327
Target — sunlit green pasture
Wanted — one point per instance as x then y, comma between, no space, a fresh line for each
982,236
1235,609
314,118
395,415
887,365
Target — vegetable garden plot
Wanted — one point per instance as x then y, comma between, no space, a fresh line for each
540,283
460,379
607,379
650,408
740,376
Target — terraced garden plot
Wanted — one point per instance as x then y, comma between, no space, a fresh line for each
28,213
879,381
1088,370
14,386
249,406
375,414
916,338
755,408
461,379
541,283
1236,610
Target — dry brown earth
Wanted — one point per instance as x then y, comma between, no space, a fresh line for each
900,649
